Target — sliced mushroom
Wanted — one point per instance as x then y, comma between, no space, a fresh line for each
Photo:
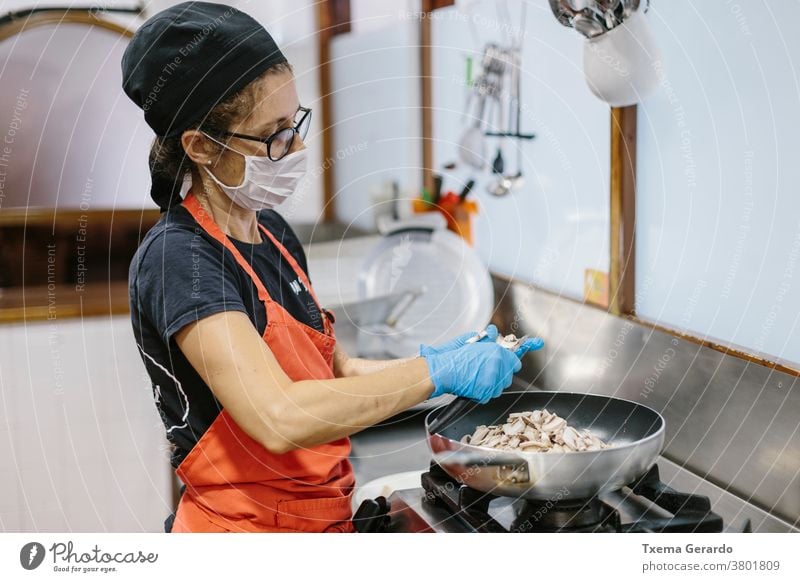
514,428
534,445
570,437
535,431
480,434
555,424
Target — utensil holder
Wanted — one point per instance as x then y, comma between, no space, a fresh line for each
457,214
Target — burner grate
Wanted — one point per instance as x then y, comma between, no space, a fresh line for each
465,509
688,513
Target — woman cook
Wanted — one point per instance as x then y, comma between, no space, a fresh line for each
257,399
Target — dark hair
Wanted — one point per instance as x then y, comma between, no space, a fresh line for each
168,160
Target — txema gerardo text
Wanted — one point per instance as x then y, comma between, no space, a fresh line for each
687,549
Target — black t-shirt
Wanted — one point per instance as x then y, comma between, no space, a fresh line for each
179,275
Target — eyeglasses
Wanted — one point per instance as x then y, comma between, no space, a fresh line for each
279,143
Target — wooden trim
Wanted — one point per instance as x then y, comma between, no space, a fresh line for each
426,96
325,90
63,302
333,17
725,349
339,13
622,275
431,5
426,87
67,16
40,216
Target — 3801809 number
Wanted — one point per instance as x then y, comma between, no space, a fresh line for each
749,565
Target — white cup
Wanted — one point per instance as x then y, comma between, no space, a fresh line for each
622,66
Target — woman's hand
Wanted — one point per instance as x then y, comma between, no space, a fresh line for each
479,371
460,341
346,367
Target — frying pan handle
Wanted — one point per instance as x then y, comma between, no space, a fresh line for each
450,412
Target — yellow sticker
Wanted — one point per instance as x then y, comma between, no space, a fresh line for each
595,287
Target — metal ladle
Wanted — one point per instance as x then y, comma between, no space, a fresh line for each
587,26
502,185
505,183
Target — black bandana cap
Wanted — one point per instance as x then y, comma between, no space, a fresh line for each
185,60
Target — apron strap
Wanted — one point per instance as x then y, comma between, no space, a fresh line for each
289,258
206,222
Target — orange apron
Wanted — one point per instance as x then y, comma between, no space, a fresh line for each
232,482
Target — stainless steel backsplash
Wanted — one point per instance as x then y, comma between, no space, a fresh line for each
733,422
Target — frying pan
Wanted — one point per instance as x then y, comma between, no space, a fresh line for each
635,432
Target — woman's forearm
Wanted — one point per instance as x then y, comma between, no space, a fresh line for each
320,411
363,367
345,367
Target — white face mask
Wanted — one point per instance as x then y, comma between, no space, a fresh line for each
266,183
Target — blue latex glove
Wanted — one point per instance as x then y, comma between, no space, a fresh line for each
479,371
457,342
529,345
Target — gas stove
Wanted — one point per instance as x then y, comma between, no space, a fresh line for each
441,504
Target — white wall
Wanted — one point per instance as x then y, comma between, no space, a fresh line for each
718,147
377,125
557,224
368,15
81,442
